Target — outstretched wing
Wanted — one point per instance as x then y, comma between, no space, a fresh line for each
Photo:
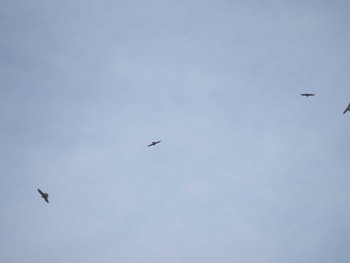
46,199
41,192
150,145
347,109
157,142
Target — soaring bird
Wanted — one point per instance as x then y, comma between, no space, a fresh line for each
153,143
347,109
307,94
44,195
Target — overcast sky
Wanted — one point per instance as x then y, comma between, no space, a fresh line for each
247,171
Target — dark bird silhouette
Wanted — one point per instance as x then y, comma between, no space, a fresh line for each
347,109
307,94
44,195
153,143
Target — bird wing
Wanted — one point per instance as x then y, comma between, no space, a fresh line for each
41,192
46,199
347,109
158,142
150,145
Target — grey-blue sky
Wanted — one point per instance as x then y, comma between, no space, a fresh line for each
248,170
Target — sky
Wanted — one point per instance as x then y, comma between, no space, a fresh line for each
247,171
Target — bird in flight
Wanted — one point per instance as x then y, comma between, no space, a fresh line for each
153,143
347,109
307,94
44,195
